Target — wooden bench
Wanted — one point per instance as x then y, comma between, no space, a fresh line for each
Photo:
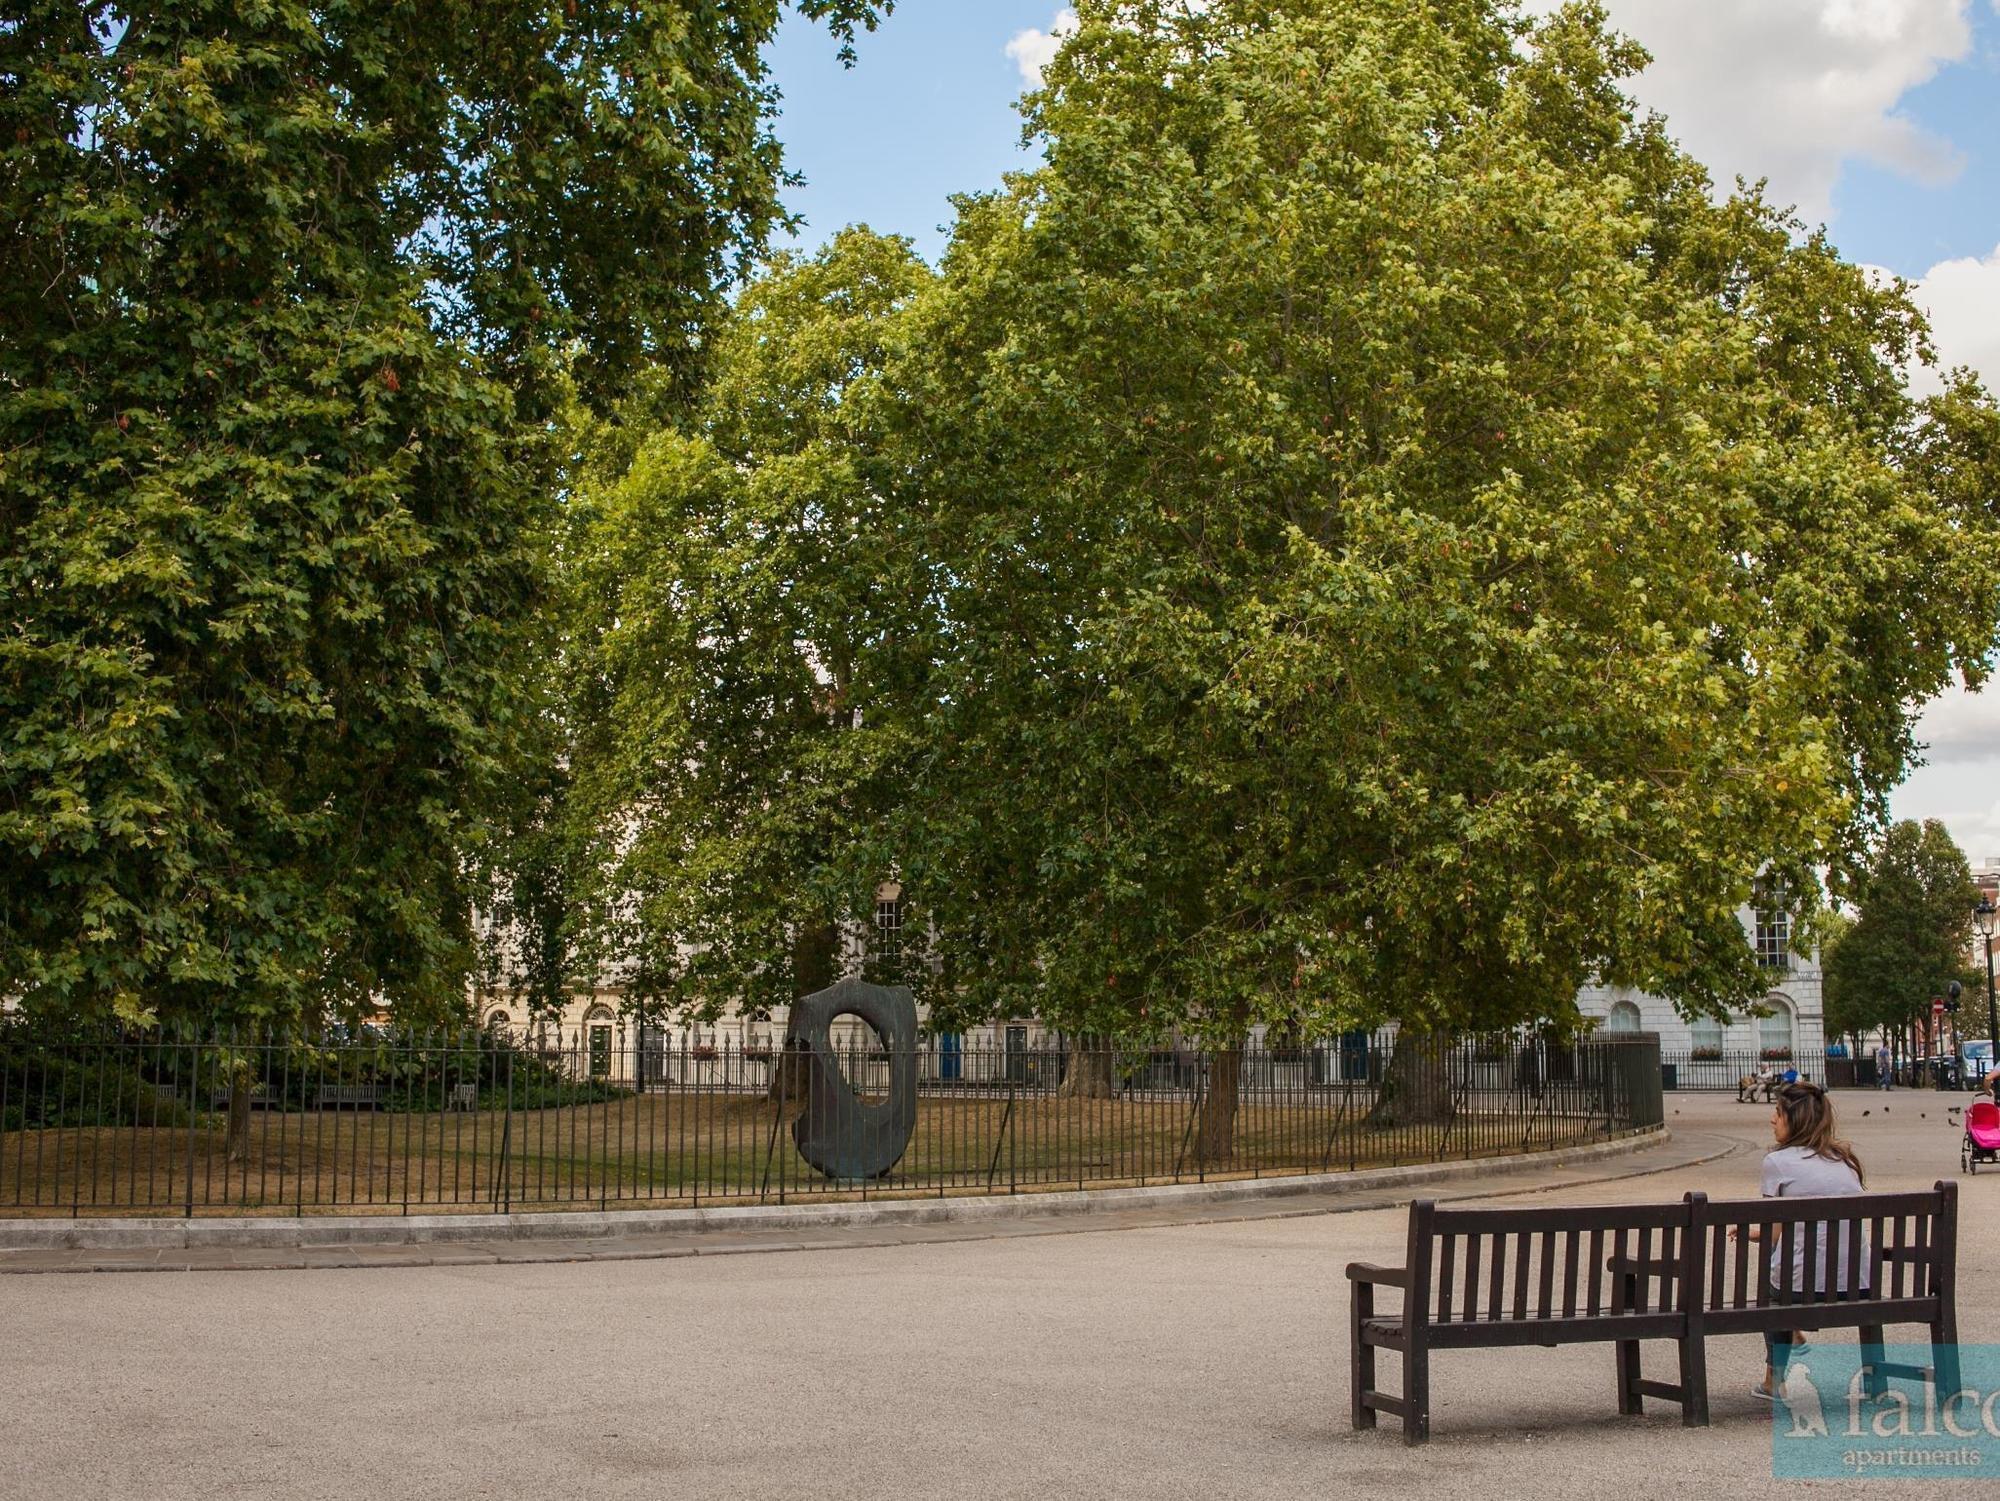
1624,1273
349,1096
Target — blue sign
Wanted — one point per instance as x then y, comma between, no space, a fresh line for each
1852,1413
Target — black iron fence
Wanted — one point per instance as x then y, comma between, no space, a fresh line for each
1738,1072
481,1121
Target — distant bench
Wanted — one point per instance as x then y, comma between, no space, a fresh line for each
349,1096
1622,1273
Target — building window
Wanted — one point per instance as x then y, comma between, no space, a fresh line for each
1773,926
1624,1017
497,1022
889,929
1705,1037
597,1027
1774,1032
1774,940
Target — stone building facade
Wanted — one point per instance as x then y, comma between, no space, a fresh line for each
1787,1025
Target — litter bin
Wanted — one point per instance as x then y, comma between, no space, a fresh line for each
1670,1076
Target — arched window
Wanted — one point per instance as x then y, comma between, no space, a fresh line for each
1624,1017
1774,1031
1705,1036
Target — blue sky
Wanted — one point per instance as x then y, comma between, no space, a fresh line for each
1879,118
1892,220
926,111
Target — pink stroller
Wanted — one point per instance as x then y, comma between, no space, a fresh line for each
1982,1137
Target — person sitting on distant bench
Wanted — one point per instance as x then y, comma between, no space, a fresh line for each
1751,1085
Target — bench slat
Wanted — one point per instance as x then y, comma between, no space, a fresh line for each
1494,1284
1494,1334
1825,1315
1471,1277
1576,1217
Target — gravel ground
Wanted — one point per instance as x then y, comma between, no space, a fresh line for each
1198,1360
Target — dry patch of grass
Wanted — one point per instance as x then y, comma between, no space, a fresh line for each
688,1146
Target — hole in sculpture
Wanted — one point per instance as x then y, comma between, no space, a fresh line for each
862,1055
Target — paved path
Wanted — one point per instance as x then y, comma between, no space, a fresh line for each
1150,1360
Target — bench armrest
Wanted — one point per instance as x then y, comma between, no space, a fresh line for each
1388,1276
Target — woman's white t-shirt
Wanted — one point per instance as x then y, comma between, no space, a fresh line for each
1796,1173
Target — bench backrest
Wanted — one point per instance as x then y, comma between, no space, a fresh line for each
1588,1261
1895,1248
1473,1265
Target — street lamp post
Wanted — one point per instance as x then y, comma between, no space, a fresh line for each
1983,916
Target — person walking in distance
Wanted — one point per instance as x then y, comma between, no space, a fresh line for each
1885,1066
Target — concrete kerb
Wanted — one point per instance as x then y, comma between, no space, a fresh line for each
421,1229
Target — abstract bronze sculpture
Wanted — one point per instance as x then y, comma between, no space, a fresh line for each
839,1133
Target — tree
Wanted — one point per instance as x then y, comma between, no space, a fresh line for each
734,590
1399,546
293,293
1909,940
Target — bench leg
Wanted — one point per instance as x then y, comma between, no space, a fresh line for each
1628,1378
1872,1356
1694,1382
1361,1372
1947,1380
1417,1392
1626,1293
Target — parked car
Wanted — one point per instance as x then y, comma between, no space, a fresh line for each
1978,1055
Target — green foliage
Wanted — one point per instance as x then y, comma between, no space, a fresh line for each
1361,533
735,586
1910,937
47,1088
1400,547
293,293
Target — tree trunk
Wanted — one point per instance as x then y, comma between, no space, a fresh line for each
236,1139
814,948
1089,1074
791,1075
1416,1089
1215,1131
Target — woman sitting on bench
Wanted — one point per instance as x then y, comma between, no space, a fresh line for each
1809,1161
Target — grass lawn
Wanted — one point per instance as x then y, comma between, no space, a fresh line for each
690,1146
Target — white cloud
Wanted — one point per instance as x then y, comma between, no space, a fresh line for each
1962,298
1034,50
1790,89
1963,803
1961,728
